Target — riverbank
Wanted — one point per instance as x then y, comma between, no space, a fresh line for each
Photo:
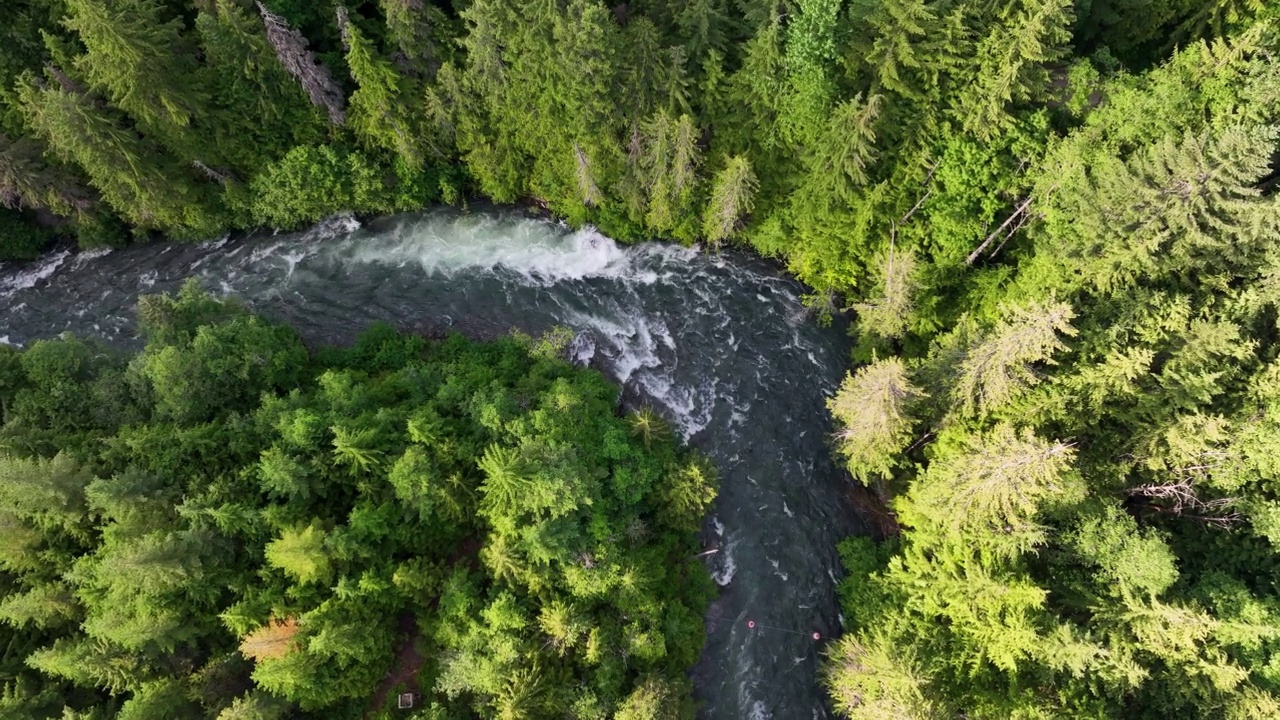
718,344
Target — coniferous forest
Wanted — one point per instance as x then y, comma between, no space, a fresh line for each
1053,224
229,526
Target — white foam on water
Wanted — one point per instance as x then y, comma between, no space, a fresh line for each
89,255
262,253
215,244
726,568
291,261
582,349
759,711
539,252
4,340
332,227
43,269
630,337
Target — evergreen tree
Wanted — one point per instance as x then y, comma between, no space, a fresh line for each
868,682
137,58
1012,60
377,111
888,311
132,174
732,195
300,552
872,407
998,367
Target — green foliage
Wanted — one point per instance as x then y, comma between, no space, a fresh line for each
323,511
873,409
311,182
1085,524
1056,222
300,553
134,54
20,238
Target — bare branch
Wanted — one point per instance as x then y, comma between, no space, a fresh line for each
219,176
1182,501
300,62
1014,217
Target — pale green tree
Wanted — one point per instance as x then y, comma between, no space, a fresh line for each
732,197
872,408
999,366
301,553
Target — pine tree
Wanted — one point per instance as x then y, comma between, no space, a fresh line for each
872,408
891,45
28,180
732,196
132,174
837,165
993,487
301,553
139,60
704,25
1217,18
756,94
272,641
867,682
587,187
655,697
162,698
1178,206
670,160
1011,63
91,663
378,110
687,492
255,705
998,367
46,605
253,96
417,29
50,493
887,313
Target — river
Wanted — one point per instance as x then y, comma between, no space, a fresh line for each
720,345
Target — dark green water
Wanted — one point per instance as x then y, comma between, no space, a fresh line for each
721,346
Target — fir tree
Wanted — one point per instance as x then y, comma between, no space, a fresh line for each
998,367
139,61
872,407
732,196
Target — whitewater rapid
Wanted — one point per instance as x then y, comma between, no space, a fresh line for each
720,345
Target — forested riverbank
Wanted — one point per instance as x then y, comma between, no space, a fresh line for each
717,345
228,526
1052,222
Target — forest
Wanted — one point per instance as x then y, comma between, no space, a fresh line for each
1053,224
227,525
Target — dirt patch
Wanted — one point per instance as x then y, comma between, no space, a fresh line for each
873,506
405,669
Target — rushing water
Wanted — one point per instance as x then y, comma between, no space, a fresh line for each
720,345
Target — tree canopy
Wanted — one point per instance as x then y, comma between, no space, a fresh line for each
227,525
